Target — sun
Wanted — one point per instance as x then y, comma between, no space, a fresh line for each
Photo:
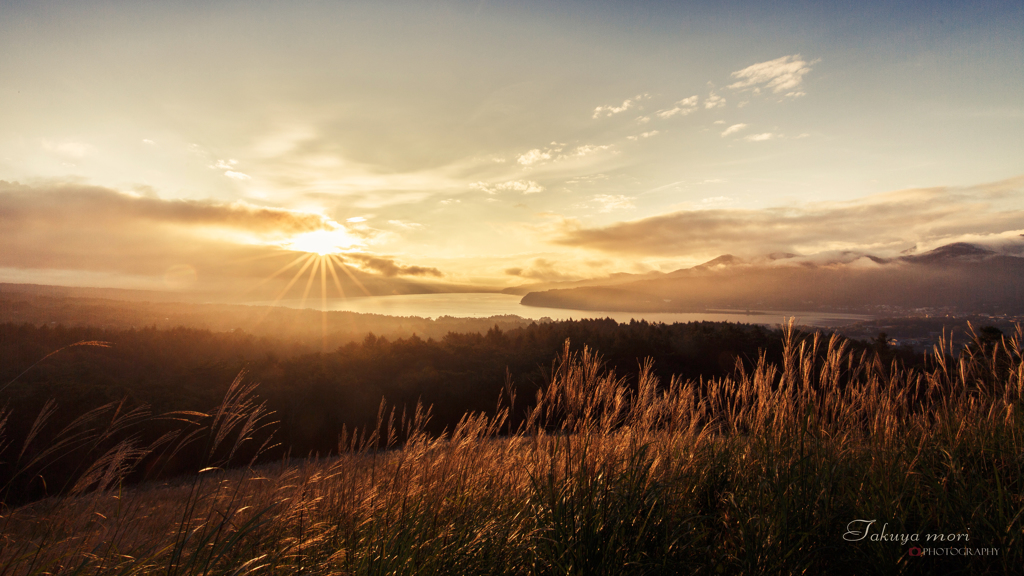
321,254
322,242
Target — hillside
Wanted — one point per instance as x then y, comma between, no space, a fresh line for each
779,469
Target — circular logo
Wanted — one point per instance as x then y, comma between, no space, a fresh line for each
915,551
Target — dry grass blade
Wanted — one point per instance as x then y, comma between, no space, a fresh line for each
98,343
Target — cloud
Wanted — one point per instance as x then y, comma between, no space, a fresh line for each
534,156
229,169
68,148
65,226
613,110
733,129
585,150
682,108
76,231
95,205
716,200
713,101
558,152
611,203
524,186
388,267
324,165
587,178
643,135
759,137
882,223
543,270
405,225
782,76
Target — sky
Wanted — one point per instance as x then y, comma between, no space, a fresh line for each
183,145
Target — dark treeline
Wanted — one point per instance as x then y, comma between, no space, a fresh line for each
315,395
467,372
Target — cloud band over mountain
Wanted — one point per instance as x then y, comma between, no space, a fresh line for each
883,222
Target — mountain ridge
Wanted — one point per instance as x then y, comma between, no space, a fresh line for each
960,276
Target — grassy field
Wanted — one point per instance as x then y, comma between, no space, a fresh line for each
776,470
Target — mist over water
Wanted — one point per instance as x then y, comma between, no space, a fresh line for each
475,305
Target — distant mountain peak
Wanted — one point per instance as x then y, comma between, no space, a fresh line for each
720,262
954,251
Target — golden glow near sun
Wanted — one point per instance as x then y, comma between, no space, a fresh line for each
321,242
321,255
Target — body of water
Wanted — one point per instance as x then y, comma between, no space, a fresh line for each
475,305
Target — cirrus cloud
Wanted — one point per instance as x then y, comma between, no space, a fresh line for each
781,76
682,108
68,148
534,156
733,129
523,186
614,202
713,101
557,152
643,135
613,110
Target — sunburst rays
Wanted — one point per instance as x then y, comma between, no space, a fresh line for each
322,264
